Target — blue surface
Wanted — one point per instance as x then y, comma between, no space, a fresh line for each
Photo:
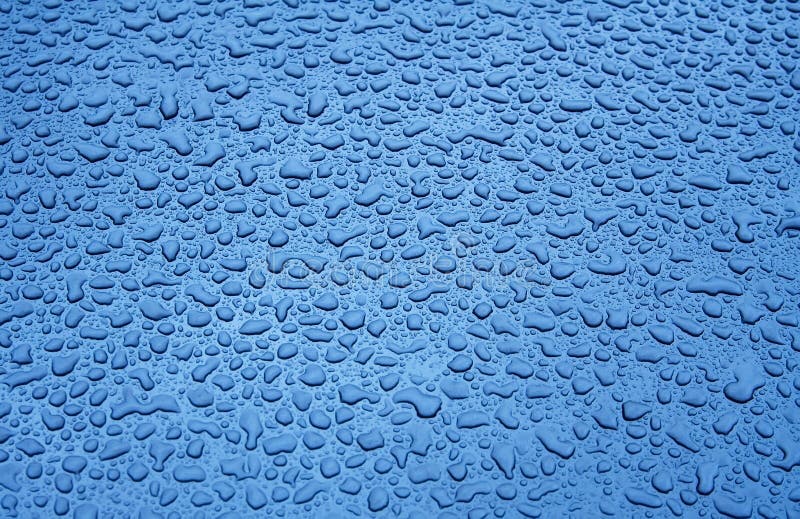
412,259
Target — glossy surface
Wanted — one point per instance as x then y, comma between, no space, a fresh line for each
413,259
